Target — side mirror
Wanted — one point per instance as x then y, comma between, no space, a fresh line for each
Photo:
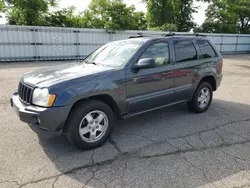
145,63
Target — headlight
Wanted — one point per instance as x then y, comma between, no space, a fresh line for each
41,97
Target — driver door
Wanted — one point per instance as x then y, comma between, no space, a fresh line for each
151,87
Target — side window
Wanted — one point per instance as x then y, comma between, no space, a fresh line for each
206,49
184,51
159,52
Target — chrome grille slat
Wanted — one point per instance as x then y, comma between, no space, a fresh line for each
25,93
22,88
29,96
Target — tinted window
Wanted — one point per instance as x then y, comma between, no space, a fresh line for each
206,49
184,51
158,51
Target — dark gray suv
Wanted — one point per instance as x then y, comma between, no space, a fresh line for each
120,79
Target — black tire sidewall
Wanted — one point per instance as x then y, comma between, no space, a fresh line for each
78,114
194,103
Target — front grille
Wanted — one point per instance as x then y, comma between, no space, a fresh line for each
25,93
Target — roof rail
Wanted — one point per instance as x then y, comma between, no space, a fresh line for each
139,35
173,34
199,35
168,34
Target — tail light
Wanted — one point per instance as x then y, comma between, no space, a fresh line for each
220,65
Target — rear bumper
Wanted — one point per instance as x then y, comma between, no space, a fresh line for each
219,80
43,121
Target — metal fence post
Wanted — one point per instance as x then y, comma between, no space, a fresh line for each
110,36
221,44
111,32
18,40
237,41
76,32
7,31
33,43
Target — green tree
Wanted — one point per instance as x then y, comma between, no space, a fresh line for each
242,10
113,15
2,7
28,12
183,10
64,18
139,21
159,12
105,14
169,13
227,16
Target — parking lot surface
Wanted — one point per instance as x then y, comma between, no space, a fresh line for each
171,147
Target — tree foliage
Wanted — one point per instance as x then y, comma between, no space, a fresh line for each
169,13
183,10
114,15
222,16
159,12
106,14
28,12
2,7
164,27
227,16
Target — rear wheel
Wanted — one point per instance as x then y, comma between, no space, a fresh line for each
202,98
90,124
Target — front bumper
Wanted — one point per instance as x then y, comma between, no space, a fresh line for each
41,120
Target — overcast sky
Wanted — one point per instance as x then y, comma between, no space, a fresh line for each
82,5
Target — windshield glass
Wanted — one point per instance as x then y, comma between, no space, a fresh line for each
114,54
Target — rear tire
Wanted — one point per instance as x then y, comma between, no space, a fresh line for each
202,98
89,124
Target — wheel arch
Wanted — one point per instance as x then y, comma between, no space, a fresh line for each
105,98
211,80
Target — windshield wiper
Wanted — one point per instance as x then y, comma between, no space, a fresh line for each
90,62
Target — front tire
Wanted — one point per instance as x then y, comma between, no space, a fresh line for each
89,125
202,98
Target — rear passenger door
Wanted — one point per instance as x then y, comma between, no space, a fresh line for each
186,64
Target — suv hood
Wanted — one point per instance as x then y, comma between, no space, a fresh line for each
57,74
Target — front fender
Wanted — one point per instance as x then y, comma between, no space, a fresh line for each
77,91
112,84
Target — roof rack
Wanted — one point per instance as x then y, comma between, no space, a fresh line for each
168,34
139,35
199,35
173,34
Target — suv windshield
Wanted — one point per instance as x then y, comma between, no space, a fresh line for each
114,54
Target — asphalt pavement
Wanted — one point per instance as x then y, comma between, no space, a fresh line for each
171,147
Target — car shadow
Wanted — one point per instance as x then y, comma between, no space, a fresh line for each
132,135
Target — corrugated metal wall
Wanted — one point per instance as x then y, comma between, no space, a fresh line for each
26,43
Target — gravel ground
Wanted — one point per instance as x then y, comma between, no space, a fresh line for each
166,148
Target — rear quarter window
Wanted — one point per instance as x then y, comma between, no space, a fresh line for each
184,51
206,49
